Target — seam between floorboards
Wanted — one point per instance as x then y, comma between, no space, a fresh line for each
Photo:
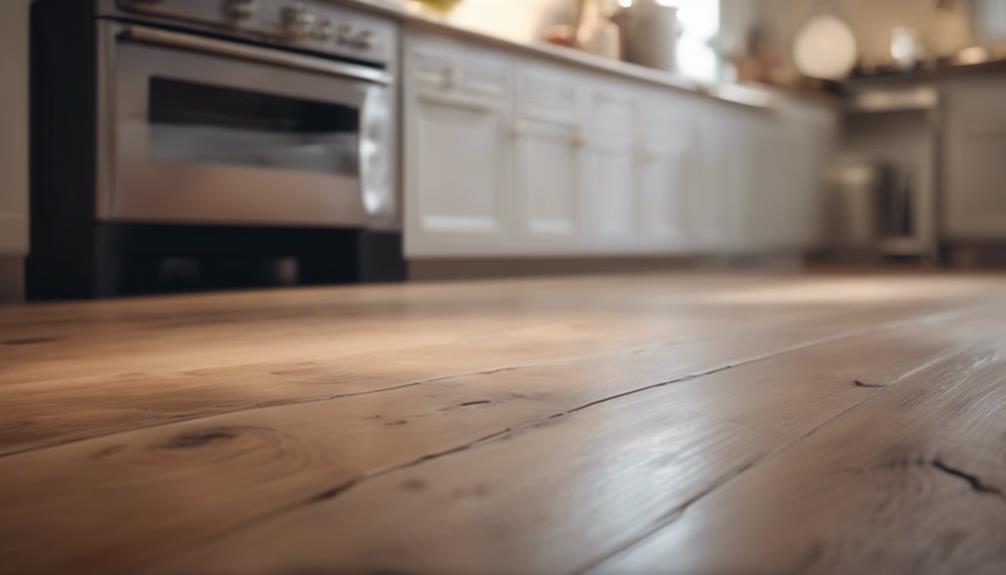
672,516
935,316
395,387
349,484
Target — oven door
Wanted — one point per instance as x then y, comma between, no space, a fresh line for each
205,131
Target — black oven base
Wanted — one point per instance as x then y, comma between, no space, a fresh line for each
133,259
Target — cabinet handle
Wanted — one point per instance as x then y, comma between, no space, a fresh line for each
454,75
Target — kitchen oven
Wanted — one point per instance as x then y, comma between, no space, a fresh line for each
233,119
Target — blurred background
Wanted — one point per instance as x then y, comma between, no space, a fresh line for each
155,145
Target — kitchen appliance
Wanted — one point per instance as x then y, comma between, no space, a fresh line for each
264,128
595,32
870,204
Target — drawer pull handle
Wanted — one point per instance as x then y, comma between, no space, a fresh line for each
454,75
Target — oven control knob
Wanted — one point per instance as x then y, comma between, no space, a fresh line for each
298,22
325,31
344,36
240,9
358,40
366,40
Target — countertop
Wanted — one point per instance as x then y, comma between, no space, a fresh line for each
753,96
931,72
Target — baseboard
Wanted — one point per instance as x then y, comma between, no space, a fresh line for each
488,268
11,279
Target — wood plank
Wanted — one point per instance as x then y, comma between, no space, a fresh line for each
912,482
147,495
155,335
561,495
137,363
130,377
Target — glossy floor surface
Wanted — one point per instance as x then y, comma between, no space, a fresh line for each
692,423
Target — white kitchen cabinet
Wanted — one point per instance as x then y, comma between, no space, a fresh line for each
784,176
802,166
460,173
663,186
549,168
457,152
611,169
610,192
772,175
549,177
975,196
512,155
705,204
738,192
665,174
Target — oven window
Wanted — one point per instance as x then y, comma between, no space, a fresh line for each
199,123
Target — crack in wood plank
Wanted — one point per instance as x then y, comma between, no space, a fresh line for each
976,483
680,510
510,431
939,316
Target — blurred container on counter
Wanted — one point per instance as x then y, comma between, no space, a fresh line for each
596,33
907,50
650,31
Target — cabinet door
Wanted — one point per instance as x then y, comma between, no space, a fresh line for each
782,195
799,189
458,179
611,168
771,159
610,189
975,196
663,185
548,178
736,194
717,204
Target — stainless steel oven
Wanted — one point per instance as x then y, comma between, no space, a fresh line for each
248,113
191,144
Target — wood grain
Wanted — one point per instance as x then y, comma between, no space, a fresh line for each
913,482
556,496
530,426
132,364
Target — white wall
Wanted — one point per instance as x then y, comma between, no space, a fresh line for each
14,127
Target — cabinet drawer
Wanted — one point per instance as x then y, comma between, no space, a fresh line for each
612,110
547,94
440,65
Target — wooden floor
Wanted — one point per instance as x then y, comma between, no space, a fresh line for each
687,423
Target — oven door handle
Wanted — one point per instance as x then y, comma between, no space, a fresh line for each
145,35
